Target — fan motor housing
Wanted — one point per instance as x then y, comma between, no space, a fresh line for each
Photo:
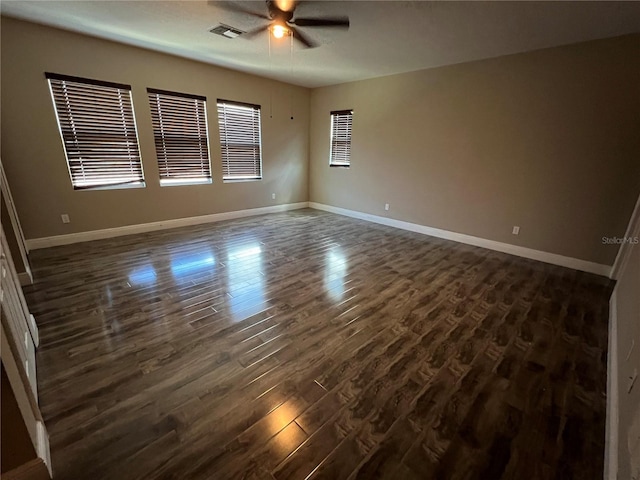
276,14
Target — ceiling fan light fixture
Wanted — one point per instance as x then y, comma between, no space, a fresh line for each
281,22
279,30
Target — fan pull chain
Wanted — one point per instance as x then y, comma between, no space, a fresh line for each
270,74
291,96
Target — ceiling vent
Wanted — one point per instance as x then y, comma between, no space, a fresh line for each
226,31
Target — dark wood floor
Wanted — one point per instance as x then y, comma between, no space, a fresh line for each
310,345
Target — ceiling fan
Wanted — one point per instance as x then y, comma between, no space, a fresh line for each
281,22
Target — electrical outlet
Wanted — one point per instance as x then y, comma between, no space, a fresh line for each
386,206
273,196
516,230
65,218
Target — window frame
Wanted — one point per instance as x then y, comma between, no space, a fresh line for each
333,118
236,179
181,181
140,183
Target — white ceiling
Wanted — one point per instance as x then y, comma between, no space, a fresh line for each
384,38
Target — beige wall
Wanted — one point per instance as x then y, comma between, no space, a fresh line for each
32,150
546,140
627,295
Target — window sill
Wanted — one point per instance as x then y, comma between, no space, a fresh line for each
111,187
337,165
240,180
182,183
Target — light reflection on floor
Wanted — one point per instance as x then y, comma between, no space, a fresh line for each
280,418
182,266
143,276
245,279
244,272
336,267
245,275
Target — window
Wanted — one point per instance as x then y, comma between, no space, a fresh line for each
180,133
341,123
239,125
98,132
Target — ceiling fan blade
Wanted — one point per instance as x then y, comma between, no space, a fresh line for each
237,8
301,37
322,22
255,31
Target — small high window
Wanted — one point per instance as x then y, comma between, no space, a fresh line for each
341,124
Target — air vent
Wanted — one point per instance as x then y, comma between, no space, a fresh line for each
226,31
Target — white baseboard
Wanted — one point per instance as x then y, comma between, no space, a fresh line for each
570,262
611,435
57,240
33,328
44,451
575,263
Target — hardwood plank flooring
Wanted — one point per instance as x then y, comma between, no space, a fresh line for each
306,345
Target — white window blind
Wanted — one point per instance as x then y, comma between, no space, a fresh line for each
341,124
180,133
240,143
98,131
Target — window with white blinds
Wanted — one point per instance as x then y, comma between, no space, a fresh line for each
98,131
180,133
240,141
341,124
